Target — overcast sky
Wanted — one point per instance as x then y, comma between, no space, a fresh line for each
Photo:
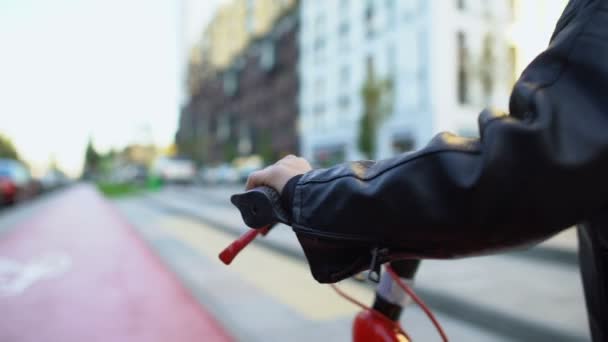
110,69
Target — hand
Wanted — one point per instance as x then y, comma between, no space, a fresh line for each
277,175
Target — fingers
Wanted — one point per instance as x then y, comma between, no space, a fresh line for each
263,177
258,178
278,174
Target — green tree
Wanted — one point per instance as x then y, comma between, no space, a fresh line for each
377,95
7,149
230,151
264,147
91,158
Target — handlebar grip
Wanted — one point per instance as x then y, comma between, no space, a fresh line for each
260,207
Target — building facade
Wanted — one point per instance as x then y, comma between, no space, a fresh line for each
235,24
251,106
445,59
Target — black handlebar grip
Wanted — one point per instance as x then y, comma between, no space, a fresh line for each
260,207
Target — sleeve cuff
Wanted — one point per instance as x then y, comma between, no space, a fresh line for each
288,193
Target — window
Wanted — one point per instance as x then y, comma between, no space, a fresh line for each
344,28
223,127
463,76
461,4
410,7
319,113
487,67
344,103
369,65
320,24
319,43
329,155
250,20
487,9
230,83
370,20
391,59
268,56
320,33
319,88
245,143
512,55
402,143
391,13
468,132
344,76
513,9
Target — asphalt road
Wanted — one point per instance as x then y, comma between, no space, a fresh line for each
267,294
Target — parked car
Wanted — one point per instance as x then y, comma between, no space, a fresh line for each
16,183
221,174
53,179
246,165
208,175
174,170
227,174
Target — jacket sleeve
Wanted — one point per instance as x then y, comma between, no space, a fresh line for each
530,174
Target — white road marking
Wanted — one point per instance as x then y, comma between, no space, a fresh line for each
16,277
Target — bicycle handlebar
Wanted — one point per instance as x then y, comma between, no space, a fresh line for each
260,207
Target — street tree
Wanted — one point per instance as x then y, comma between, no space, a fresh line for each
7,149
377,96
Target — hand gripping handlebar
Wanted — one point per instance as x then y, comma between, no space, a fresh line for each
261,209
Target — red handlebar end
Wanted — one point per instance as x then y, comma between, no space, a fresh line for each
230,252
226,256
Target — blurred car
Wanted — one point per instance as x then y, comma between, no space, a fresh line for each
53,179
221,174
208,175
129,173
174,170
227,174
246,165
16,183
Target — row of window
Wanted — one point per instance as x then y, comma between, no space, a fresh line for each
485,5
267,60
486,70
371,19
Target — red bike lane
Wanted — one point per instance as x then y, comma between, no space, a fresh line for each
76,271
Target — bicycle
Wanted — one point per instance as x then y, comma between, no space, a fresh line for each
261,210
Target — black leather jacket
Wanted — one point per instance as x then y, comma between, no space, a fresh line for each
532,173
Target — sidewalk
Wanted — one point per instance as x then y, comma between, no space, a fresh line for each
76,271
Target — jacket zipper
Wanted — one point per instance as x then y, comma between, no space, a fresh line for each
299,229
378,254
375,266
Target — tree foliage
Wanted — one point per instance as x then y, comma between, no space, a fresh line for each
377,95
91,157
264,147
7,149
